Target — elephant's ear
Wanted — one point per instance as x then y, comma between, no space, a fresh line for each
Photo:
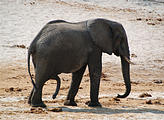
101,34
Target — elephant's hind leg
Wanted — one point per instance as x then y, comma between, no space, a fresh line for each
40,79
76,80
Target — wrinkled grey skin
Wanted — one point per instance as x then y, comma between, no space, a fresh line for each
63,47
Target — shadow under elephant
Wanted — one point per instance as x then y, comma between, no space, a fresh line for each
105,110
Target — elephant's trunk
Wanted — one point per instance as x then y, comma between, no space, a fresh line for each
126,76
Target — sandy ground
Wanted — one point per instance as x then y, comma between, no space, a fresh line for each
146,100
145,31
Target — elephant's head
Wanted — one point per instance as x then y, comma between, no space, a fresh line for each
111,37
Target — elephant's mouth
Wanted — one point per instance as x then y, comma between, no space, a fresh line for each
126,58
117,53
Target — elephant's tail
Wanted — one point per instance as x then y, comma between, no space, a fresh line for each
57,87
28,60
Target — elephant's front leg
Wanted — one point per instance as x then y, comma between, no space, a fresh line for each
95,69
76,80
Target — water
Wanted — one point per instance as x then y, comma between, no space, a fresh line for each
134,4
21,20
11,99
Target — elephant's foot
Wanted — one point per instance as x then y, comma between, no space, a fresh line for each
93,104
54,96
39,105
70,103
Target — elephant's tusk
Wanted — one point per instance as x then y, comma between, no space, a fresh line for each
130,62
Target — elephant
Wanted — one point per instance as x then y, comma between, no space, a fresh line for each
65,47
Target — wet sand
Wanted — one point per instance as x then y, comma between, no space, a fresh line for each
145,30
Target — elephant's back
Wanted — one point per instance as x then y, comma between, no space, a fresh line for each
65,36
66,47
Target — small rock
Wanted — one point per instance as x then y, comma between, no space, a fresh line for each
115,99
139,19
80,87
37,110
32,3
148,102
11,89
63,88
18,89
157,102
86,75
21,46
159,19
157,81
105,79
55,109
103,75
87,102
136,83
145,95
65,79
151,23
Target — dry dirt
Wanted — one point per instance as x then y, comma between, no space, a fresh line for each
146,100
145,30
